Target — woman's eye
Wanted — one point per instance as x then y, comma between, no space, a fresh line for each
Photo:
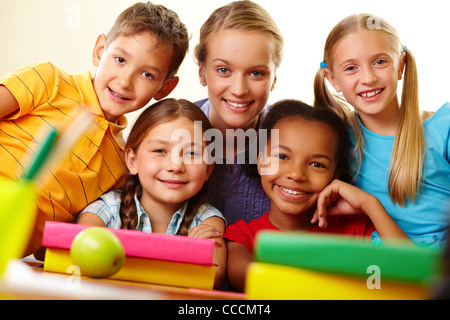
257,74
120,60
222,70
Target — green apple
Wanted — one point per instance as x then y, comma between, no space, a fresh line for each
97,252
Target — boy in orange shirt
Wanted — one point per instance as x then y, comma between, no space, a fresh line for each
136,61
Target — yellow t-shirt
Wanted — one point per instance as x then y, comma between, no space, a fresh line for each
49,97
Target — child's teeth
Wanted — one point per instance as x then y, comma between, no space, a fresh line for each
370,94
291,191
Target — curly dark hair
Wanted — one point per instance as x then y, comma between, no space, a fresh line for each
291,108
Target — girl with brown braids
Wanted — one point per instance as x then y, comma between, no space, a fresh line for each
164,190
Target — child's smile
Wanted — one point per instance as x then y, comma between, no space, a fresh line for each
117,97
292,193
370,95
173,184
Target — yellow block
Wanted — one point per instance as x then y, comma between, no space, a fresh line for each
17,217
143,270
278,282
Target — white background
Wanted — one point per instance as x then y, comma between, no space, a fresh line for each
65,31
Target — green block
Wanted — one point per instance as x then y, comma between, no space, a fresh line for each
397,261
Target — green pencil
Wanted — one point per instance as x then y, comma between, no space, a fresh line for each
42,156
56,145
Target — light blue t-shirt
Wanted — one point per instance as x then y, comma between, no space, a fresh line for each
426,220
107,207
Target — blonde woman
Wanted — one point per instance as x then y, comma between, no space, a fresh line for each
401,154
239,52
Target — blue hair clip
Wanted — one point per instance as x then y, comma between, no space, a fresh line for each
323,65
404,48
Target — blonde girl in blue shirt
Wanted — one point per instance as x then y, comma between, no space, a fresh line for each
164,189
401,153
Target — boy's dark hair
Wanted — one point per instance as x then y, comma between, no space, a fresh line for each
158,20
297,109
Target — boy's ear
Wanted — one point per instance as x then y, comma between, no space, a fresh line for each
330,77
130,160
99,47
167,88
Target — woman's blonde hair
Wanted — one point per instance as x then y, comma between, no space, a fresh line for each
405,173
241,15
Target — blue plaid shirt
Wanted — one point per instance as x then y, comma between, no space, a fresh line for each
108,205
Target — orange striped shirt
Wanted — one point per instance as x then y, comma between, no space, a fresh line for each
49,98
